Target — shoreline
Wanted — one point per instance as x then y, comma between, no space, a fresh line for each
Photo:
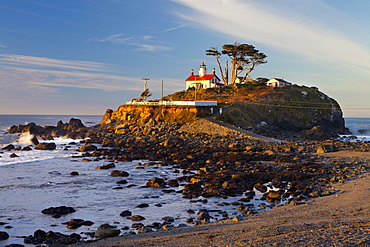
340,219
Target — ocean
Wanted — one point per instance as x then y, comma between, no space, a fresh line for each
36,180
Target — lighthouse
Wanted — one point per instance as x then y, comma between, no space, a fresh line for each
202,70
203,80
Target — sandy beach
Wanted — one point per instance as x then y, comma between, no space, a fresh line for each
339,219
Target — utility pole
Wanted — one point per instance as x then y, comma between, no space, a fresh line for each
162,89
145,82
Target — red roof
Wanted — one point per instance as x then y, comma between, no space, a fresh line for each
201,78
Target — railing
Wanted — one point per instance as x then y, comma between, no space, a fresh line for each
173,103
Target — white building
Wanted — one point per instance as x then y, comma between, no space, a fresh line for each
203,80
275,82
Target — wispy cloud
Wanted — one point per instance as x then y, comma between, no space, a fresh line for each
2,46
147,37
47,63
152,48
291,26
38,76
172,28
130,41
114,38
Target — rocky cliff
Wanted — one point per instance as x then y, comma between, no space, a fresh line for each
142,114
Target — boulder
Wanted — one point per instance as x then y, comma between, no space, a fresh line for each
315,133
56,212
137,218
75,124
126,213
117,173
326,149
106,166
46,146
107,231
87,148
4,235
13,155
28,148
8,147
156,182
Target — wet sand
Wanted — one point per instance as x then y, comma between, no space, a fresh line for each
340,219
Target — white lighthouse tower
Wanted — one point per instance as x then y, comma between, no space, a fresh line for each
202,70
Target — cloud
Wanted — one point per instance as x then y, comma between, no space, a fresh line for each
38,76
117,38
147,37
114,38
151,48
42,62
290,26
172,29
2,46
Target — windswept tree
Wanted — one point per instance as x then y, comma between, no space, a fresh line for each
224,75
145,94
244,58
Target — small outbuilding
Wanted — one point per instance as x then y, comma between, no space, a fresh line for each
275,82
203,80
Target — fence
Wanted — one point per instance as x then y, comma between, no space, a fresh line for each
173,103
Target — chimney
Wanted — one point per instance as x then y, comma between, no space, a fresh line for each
192,72
214,71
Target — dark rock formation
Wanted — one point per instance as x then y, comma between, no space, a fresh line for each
107,231
46,146
156,182
4,235
117,173
56,212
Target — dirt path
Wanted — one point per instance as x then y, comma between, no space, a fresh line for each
249,133
341,219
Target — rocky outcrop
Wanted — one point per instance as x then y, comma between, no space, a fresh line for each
143,114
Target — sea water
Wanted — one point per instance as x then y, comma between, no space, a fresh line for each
359,127
41,179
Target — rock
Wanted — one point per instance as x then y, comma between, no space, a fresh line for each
238,218
56,212
326,149
74,173
156,182
137,218
123,181
107,166
76,223
75,124
28,148
143,205
315,133
15,245
260,187
87,148
46,146
106,231
117,173
168,219
13,155
173,183
126,213
4,235
8,147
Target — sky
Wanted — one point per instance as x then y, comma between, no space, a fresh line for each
81,57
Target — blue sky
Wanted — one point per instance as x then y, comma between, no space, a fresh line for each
85,56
